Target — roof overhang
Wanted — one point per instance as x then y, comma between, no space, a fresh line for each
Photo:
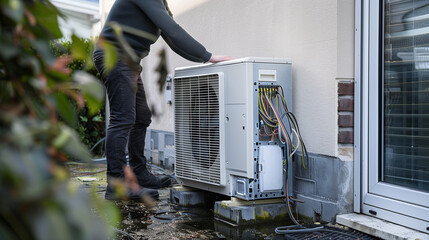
91,9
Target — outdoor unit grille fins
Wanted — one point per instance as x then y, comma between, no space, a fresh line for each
197,135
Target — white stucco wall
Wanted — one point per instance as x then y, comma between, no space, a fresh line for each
316,34
345,57
105,6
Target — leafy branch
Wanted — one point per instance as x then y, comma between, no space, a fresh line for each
38,95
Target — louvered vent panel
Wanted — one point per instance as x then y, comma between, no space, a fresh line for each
197,128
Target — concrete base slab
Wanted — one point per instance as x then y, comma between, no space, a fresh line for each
184,196
379,228
239,212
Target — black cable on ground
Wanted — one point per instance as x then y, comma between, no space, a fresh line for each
124,233
302,229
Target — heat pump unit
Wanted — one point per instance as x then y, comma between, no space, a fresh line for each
223,142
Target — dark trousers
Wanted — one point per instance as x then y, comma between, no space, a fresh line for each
129,115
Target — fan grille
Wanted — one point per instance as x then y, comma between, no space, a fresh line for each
197,136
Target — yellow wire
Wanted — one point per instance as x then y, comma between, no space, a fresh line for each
283,99
263,112
277,100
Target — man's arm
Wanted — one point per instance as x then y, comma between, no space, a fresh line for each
178,50
177,38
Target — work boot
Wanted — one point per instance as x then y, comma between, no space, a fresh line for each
148,180
142,195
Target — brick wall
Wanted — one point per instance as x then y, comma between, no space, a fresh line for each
345,112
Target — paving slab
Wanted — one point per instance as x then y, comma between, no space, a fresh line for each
379,228
187,197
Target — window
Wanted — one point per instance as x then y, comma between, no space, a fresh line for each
405,158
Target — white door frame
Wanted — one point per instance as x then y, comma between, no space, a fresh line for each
372,197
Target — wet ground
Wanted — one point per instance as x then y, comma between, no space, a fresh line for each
165,220
168,221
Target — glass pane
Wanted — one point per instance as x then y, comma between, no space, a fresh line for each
405,159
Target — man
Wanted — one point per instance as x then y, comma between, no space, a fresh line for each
129,112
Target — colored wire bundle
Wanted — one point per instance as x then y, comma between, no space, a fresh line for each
295,126
270,116
263,112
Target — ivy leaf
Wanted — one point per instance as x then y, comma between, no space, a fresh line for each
97,118
89,63
43,49
83,119
30,62
92,90
50,224
110,214
39,109
46,16
21,131
110,55
68,141
78,48
65,108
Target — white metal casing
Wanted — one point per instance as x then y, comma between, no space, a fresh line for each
238,119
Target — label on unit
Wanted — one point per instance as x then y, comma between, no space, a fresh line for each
266,75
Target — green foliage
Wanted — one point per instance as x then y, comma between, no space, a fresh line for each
38,98
90,123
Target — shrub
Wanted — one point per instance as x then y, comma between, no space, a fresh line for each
37,201
90,128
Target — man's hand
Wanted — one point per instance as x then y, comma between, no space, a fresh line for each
216,59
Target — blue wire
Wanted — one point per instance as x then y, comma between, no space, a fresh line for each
266,120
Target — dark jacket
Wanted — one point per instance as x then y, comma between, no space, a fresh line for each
153,17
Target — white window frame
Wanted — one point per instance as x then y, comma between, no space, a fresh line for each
386,201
